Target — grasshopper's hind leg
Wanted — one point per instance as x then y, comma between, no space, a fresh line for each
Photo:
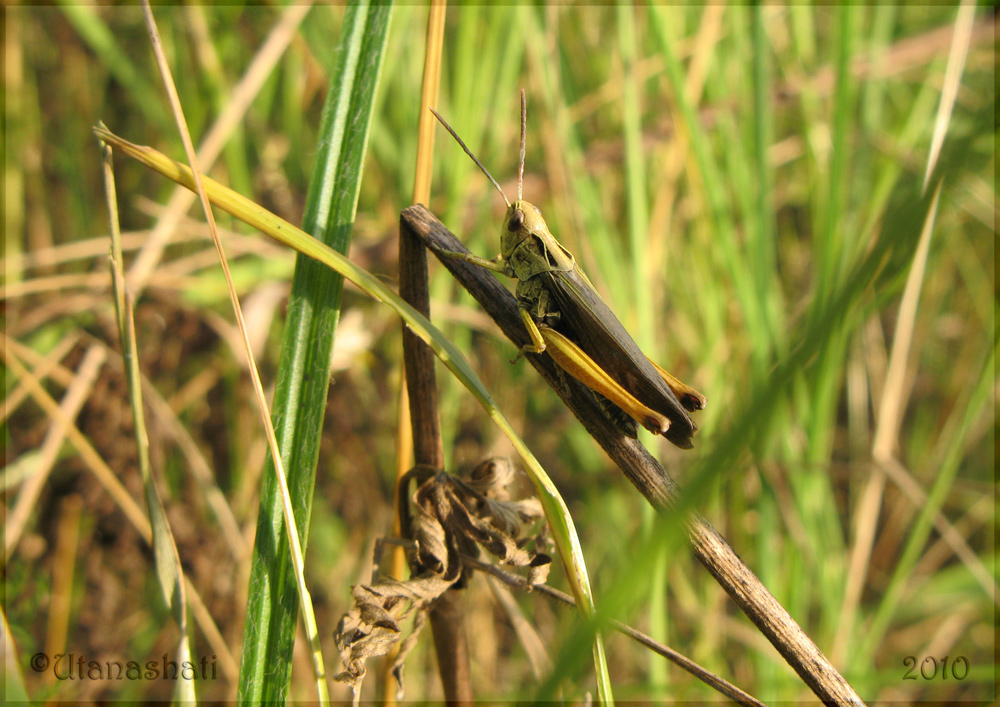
615,415
689,398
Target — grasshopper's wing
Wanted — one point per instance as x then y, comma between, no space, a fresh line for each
588,320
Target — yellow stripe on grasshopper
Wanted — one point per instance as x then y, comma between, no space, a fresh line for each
574,361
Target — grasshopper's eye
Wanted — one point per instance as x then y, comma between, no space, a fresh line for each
516,221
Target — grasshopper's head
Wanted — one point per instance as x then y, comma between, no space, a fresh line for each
523,221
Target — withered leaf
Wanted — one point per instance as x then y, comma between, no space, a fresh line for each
447,518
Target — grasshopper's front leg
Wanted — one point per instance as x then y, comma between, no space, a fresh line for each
497,264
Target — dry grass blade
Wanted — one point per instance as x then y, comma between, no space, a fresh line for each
293,536
961,40
892,402
44,366
107,478
67,547
166,558
229,119
74,399
104,474
527,634
723,686
305,600
200,470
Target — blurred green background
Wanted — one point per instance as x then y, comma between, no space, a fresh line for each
744,186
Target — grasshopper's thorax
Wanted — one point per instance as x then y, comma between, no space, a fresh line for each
527,244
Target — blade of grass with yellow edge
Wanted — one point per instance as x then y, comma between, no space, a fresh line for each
556,512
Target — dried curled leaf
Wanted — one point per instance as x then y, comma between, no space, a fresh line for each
447,518
372,627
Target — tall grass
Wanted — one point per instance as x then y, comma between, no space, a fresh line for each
746,189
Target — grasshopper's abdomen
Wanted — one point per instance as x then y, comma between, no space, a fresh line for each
585,319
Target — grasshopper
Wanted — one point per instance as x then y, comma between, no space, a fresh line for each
564,315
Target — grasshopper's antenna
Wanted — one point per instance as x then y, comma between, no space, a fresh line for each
520,159
469,153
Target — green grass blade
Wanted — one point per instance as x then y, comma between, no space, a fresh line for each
635,179
640,295
763,253
169,572
13,681
304,368
710,180
831,244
